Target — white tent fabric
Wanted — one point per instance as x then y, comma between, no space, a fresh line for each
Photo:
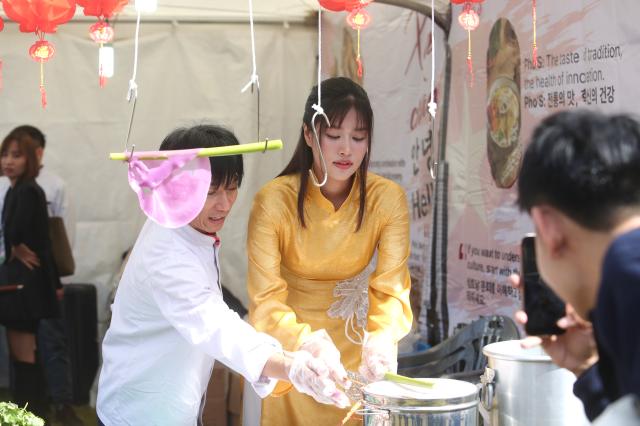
221,10
187,74
237,10
264,10
194,58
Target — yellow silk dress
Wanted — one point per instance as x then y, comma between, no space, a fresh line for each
292,273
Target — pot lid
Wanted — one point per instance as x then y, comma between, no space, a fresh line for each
513,351
445,394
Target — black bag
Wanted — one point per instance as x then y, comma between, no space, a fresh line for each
19,287
81,317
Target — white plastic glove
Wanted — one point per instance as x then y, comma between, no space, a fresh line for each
379,356
309,375
320,345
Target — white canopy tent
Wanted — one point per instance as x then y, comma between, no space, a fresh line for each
195,56
264,10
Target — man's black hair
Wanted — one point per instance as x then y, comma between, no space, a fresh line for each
225,170
585,164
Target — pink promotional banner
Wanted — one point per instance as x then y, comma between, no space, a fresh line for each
587,57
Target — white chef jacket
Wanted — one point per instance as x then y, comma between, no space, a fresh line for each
169,325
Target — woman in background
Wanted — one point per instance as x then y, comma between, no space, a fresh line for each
29,263
308,244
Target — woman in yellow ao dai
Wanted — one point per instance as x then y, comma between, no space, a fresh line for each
315,271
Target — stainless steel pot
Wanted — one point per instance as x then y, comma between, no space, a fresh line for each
448,402
523,387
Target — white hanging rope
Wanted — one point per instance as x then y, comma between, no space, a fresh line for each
254,81
319,111
133,86
254,75
132,92
433,106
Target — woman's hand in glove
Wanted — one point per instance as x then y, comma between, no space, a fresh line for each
379,356
320,345
310,376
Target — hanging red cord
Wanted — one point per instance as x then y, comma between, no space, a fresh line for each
469,20
40,17
41,51
359,19
470,61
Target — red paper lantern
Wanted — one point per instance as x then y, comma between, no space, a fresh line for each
1,24
333,5
42,51
351,5
359,19
101,32
342,5
39,15
469,18
102,8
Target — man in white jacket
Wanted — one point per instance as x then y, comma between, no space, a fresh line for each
170,322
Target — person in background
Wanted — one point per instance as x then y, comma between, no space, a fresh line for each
51,334
312,281
580,183
29,262
170,323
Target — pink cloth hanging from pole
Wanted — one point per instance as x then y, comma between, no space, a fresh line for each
171,192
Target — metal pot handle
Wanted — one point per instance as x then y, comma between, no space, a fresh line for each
382,416
488,387
487,392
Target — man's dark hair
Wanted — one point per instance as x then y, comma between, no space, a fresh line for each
225,170
33,132
585,164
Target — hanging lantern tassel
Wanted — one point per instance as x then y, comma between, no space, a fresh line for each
535,45
42,51
359,19
358,58
102,80
43,91
105,63
469,20
469,60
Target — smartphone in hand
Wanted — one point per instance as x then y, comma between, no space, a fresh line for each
542,306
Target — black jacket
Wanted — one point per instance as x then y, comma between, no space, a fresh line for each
25,220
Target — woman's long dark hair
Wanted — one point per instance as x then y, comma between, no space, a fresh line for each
339,95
